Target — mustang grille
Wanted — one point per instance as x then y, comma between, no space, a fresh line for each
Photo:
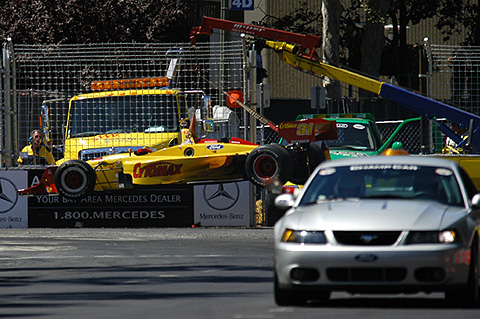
366,274
369,238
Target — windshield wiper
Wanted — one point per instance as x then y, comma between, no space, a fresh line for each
86,134
389,196
116,131
354,147
326,199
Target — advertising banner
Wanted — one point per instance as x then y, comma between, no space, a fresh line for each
225,204
13,209
169,206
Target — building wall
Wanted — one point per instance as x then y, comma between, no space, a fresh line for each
287,82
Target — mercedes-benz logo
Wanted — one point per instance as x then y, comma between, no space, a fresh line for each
8,195
221,196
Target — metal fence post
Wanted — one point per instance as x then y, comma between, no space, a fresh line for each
430,65
8,119
2,109
427,137
253,93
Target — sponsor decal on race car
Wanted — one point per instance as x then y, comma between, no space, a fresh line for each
215,147
117,164
155,170
105,136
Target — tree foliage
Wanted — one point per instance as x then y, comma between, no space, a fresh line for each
457,15
303,19
82,21
399,59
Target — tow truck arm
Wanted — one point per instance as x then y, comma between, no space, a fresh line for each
299,51
308,43
422,105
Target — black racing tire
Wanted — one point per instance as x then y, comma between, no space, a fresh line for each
75,179
269,164
316,155
305,162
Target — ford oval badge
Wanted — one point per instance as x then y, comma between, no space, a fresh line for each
215,147
366,258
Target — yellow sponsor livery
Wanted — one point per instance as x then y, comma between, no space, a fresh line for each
155,170
285,125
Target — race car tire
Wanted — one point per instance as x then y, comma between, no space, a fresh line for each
269,164
75,179
306,162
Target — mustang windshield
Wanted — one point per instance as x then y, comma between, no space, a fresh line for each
387,181
124,114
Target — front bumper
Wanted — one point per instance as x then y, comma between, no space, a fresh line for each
409,268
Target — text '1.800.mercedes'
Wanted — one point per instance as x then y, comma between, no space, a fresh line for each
383,224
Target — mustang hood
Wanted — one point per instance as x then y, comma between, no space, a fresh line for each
374,215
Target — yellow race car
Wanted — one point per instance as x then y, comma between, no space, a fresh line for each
194,161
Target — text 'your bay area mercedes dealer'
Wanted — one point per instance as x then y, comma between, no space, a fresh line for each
225,204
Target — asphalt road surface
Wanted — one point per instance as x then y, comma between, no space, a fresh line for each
168,273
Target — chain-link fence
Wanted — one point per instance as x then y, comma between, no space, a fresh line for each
35,73
453,77
32,74
456,76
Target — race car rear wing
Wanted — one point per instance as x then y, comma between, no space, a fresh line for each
307,131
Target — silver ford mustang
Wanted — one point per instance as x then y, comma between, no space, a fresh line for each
384,224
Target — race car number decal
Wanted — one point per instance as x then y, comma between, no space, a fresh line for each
305,129
308,130
155,170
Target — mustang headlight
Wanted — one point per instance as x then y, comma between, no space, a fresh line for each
304,237
432,237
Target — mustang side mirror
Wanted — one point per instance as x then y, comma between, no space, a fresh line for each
285,201
476,200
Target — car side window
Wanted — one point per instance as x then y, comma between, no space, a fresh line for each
471,189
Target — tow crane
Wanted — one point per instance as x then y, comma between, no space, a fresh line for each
299,51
